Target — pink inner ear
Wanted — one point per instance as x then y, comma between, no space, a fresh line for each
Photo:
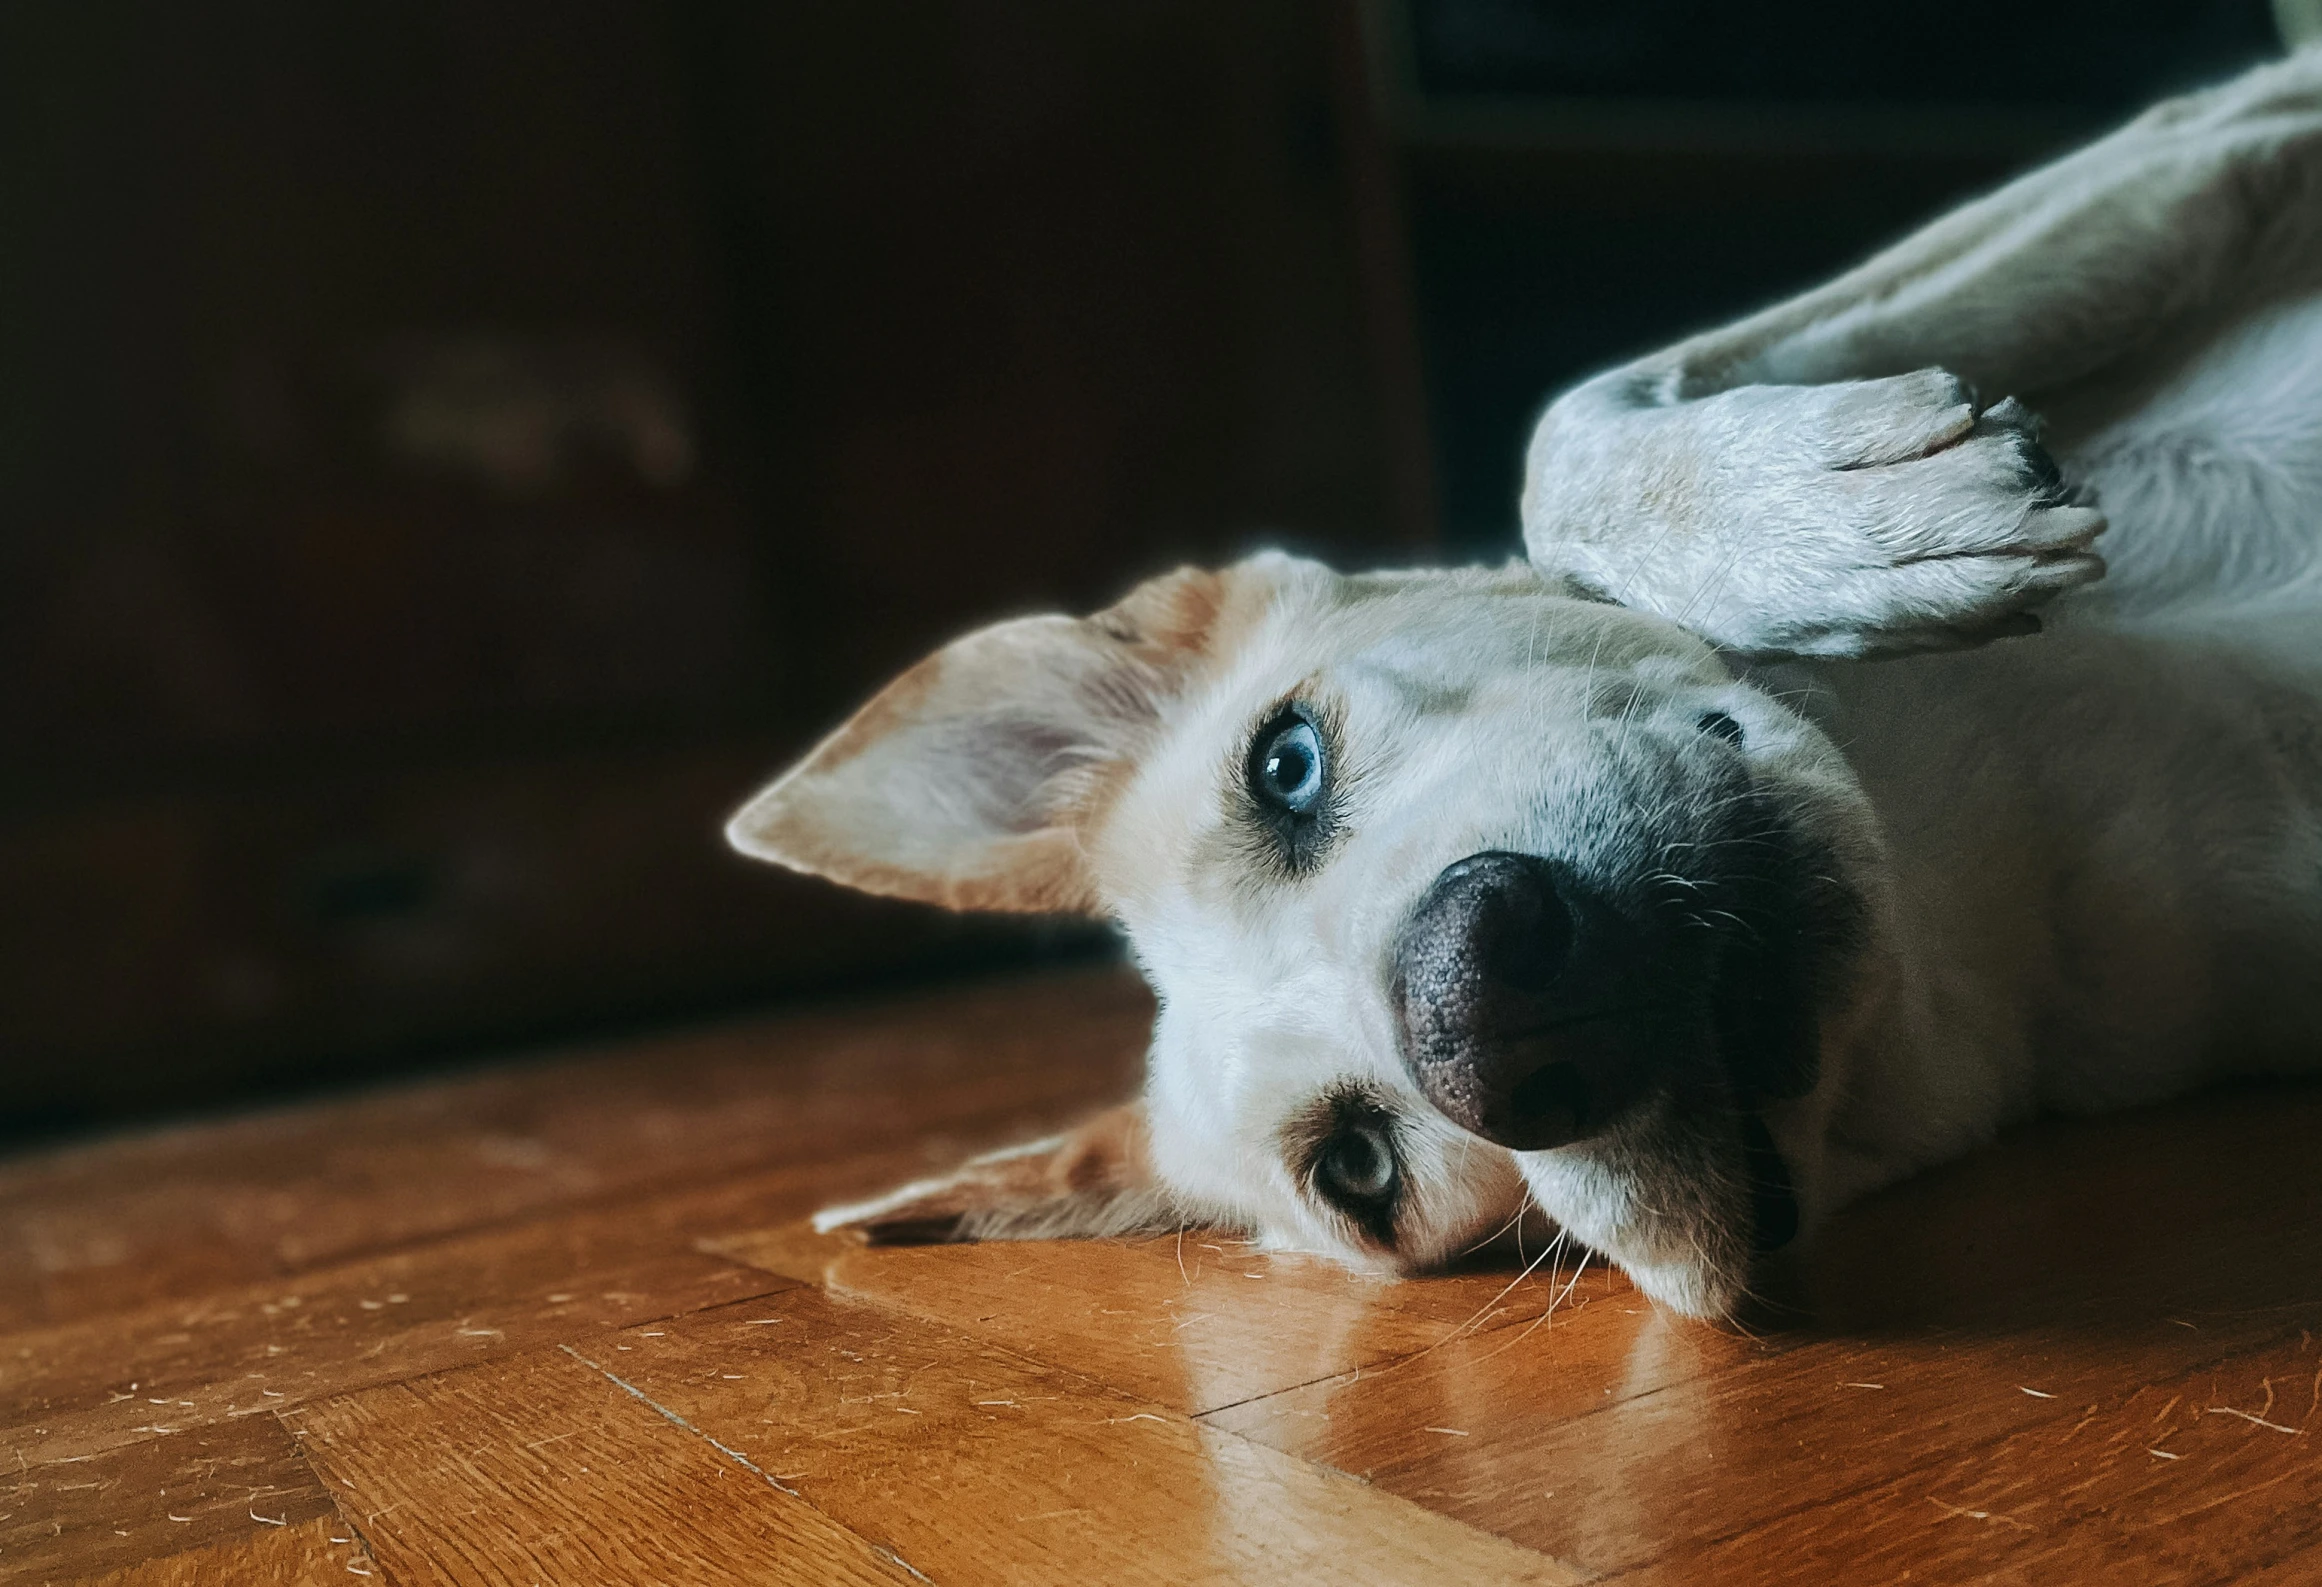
970,781
958,784
1018,772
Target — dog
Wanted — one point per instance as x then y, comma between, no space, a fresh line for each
1710,868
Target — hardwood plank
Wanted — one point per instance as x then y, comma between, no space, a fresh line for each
131,1246
69,1390
2302,1569
318,1553
1192,1322
973,1464
2175,1483
1476,1395
1677,1468
154,1498
461,1300
65,1391
118,1223
538,1468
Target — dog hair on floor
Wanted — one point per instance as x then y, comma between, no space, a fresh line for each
1627,887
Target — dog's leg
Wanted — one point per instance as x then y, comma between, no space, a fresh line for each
1817,479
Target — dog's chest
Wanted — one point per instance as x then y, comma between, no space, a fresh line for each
2106,853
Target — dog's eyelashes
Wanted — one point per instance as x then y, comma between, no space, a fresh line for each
1719,725
1357,1167
1288,778
1288,768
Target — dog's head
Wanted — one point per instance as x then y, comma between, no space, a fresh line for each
1454,890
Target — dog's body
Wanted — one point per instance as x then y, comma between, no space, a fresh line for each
1671,915
2106,846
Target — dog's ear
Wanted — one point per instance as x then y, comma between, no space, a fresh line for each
1088,1183
970,780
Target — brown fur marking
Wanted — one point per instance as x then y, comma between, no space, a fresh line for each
1096,1180
1112,1151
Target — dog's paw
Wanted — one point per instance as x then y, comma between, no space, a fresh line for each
1940,527
1865,518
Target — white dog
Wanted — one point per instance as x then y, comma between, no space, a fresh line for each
1621,883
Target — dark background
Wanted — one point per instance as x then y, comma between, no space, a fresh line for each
449,453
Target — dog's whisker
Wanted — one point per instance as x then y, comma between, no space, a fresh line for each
1513,1219
1484,1311
1555,1298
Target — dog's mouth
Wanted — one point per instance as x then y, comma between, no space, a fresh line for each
1641,1024
1774,964
1773,1196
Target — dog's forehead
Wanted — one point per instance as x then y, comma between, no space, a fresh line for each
1425,666
1452,620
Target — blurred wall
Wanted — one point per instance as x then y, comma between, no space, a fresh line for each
450,452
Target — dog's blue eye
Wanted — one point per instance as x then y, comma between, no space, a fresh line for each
1289,798
1290,767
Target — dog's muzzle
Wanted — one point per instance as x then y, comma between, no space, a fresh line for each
1531,1012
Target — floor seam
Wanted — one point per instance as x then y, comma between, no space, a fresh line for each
362,1539
683,1424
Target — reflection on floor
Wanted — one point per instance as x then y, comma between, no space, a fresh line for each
563,1323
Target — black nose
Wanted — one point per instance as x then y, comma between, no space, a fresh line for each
1498,982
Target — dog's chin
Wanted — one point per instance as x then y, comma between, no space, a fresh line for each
1687,1188
1690,1289
1670,1196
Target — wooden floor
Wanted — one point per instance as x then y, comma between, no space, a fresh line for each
561,1323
